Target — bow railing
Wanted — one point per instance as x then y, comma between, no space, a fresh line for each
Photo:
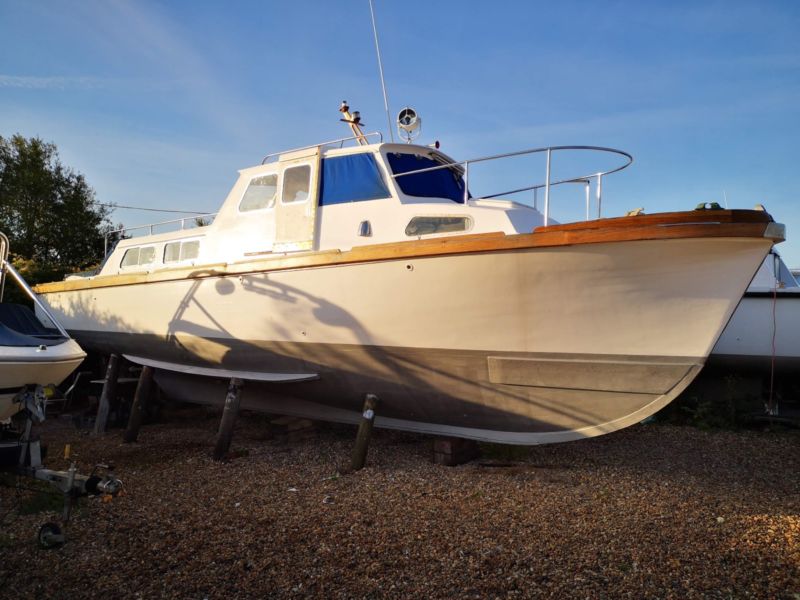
463,168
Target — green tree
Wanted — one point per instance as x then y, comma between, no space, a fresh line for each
47,210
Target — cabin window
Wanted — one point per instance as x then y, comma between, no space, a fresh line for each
441,183
260,193
172,252
147,255
134,257
130,258
428,225
351,178
190,250
296,184
180,251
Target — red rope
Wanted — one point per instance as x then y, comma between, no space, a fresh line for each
776,272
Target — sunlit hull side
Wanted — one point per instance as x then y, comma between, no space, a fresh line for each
21,366
526,346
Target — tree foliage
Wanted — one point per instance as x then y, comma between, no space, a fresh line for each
47,210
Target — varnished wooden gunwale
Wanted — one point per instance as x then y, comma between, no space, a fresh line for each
680,225
686,217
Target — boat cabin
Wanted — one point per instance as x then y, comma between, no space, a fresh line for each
319,199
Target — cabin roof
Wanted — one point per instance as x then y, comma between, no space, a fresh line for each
331,152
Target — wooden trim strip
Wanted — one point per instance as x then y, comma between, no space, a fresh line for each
687,216
683,225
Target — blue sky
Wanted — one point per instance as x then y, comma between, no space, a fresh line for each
159,103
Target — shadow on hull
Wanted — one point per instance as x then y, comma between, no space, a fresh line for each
513,398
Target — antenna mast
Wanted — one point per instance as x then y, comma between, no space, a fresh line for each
380,69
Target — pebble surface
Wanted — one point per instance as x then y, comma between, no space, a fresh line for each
653,511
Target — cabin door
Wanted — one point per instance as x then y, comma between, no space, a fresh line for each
296,214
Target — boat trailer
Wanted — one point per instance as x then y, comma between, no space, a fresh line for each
27,462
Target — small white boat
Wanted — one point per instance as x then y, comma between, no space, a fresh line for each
333,272
765,329
33,351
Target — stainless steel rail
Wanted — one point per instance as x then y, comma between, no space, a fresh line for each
3,261
463,168
122,230
340,141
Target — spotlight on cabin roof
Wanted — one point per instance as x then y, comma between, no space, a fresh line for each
409,124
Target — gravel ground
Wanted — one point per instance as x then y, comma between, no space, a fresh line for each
652,511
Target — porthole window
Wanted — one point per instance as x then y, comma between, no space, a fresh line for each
429,225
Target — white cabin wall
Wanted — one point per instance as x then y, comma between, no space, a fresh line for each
237,234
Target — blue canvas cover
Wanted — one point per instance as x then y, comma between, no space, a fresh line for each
351,178
442,183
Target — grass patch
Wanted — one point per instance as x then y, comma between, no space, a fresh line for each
41,501
34,496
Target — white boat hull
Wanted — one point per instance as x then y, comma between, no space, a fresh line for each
747,342
520,346
25,365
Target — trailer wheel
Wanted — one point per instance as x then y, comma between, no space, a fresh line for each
50,536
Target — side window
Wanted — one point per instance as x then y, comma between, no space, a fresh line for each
172,252
190,250
147,255
260,193
139,256
130,258
351,178
296,184
180,251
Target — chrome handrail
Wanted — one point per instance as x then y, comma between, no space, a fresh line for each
3,261
27,289
150,227
464,166
340,141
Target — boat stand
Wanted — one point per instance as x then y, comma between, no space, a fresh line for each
139,407
229,415
108,394
364,433
70,483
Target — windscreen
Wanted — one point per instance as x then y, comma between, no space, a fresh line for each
441,183
351,178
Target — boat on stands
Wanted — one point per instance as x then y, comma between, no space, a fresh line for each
335,271
763,332
33,351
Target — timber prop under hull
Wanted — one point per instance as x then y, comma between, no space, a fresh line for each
569,332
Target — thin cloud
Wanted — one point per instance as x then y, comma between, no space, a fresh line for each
50,83
146,31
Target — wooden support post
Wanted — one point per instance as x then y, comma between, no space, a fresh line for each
364,432
140,401
229,414
108,395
